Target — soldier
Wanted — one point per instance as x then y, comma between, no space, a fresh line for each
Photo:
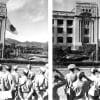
46,81
1,78
8,81
80,86
16,76
30,73
25,86
40,85
70,78
94,88
58,81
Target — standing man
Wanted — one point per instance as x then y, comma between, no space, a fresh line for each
40,85
94,90
1,78
81,86
29,68
8,81
16,76
25,86
70,78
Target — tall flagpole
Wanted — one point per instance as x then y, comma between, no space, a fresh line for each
97,32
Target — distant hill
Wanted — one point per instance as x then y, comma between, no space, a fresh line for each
10,41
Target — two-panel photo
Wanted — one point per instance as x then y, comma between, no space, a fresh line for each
32,63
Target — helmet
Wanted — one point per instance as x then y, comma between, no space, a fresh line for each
8,67
93,70
71,66
25,71
42,69
80,75
15,67
28,66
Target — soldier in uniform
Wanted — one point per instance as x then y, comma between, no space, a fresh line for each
30,73
16,76
46,81
40,86
8,80
94,91
25,86
81,86
70,78
1,78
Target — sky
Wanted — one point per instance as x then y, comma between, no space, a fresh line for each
30,17
68,5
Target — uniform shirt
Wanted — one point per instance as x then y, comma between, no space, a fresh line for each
71,77
94,87
25,87
40,82
1,81
15,77
80,88
8,80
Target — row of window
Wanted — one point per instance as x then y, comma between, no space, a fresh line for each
70,31
70,39
61,31
61,22
61,40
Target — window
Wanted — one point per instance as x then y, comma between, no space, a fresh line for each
69,39
59,39
86,31
60,22
86,40
53,21
53,29
59,30
69,30
69,22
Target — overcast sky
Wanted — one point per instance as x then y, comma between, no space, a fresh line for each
30,17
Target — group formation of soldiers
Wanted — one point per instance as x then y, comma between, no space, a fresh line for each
76,84
25,86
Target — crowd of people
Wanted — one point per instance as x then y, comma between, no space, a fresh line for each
25,86
77,85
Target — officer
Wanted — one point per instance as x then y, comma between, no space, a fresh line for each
40,86
80,86
25,86
70,78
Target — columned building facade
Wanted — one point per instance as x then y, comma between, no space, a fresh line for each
73,29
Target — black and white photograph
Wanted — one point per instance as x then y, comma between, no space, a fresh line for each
24,67
76,49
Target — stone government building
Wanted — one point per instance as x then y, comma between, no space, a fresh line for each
78,27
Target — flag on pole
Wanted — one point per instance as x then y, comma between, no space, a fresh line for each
10,27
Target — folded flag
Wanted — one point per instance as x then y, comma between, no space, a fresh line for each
10,27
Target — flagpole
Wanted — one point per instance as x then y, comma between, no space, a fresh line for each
3,45
97,33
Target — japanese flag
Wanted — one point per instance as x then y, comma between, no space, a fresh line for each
10,27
